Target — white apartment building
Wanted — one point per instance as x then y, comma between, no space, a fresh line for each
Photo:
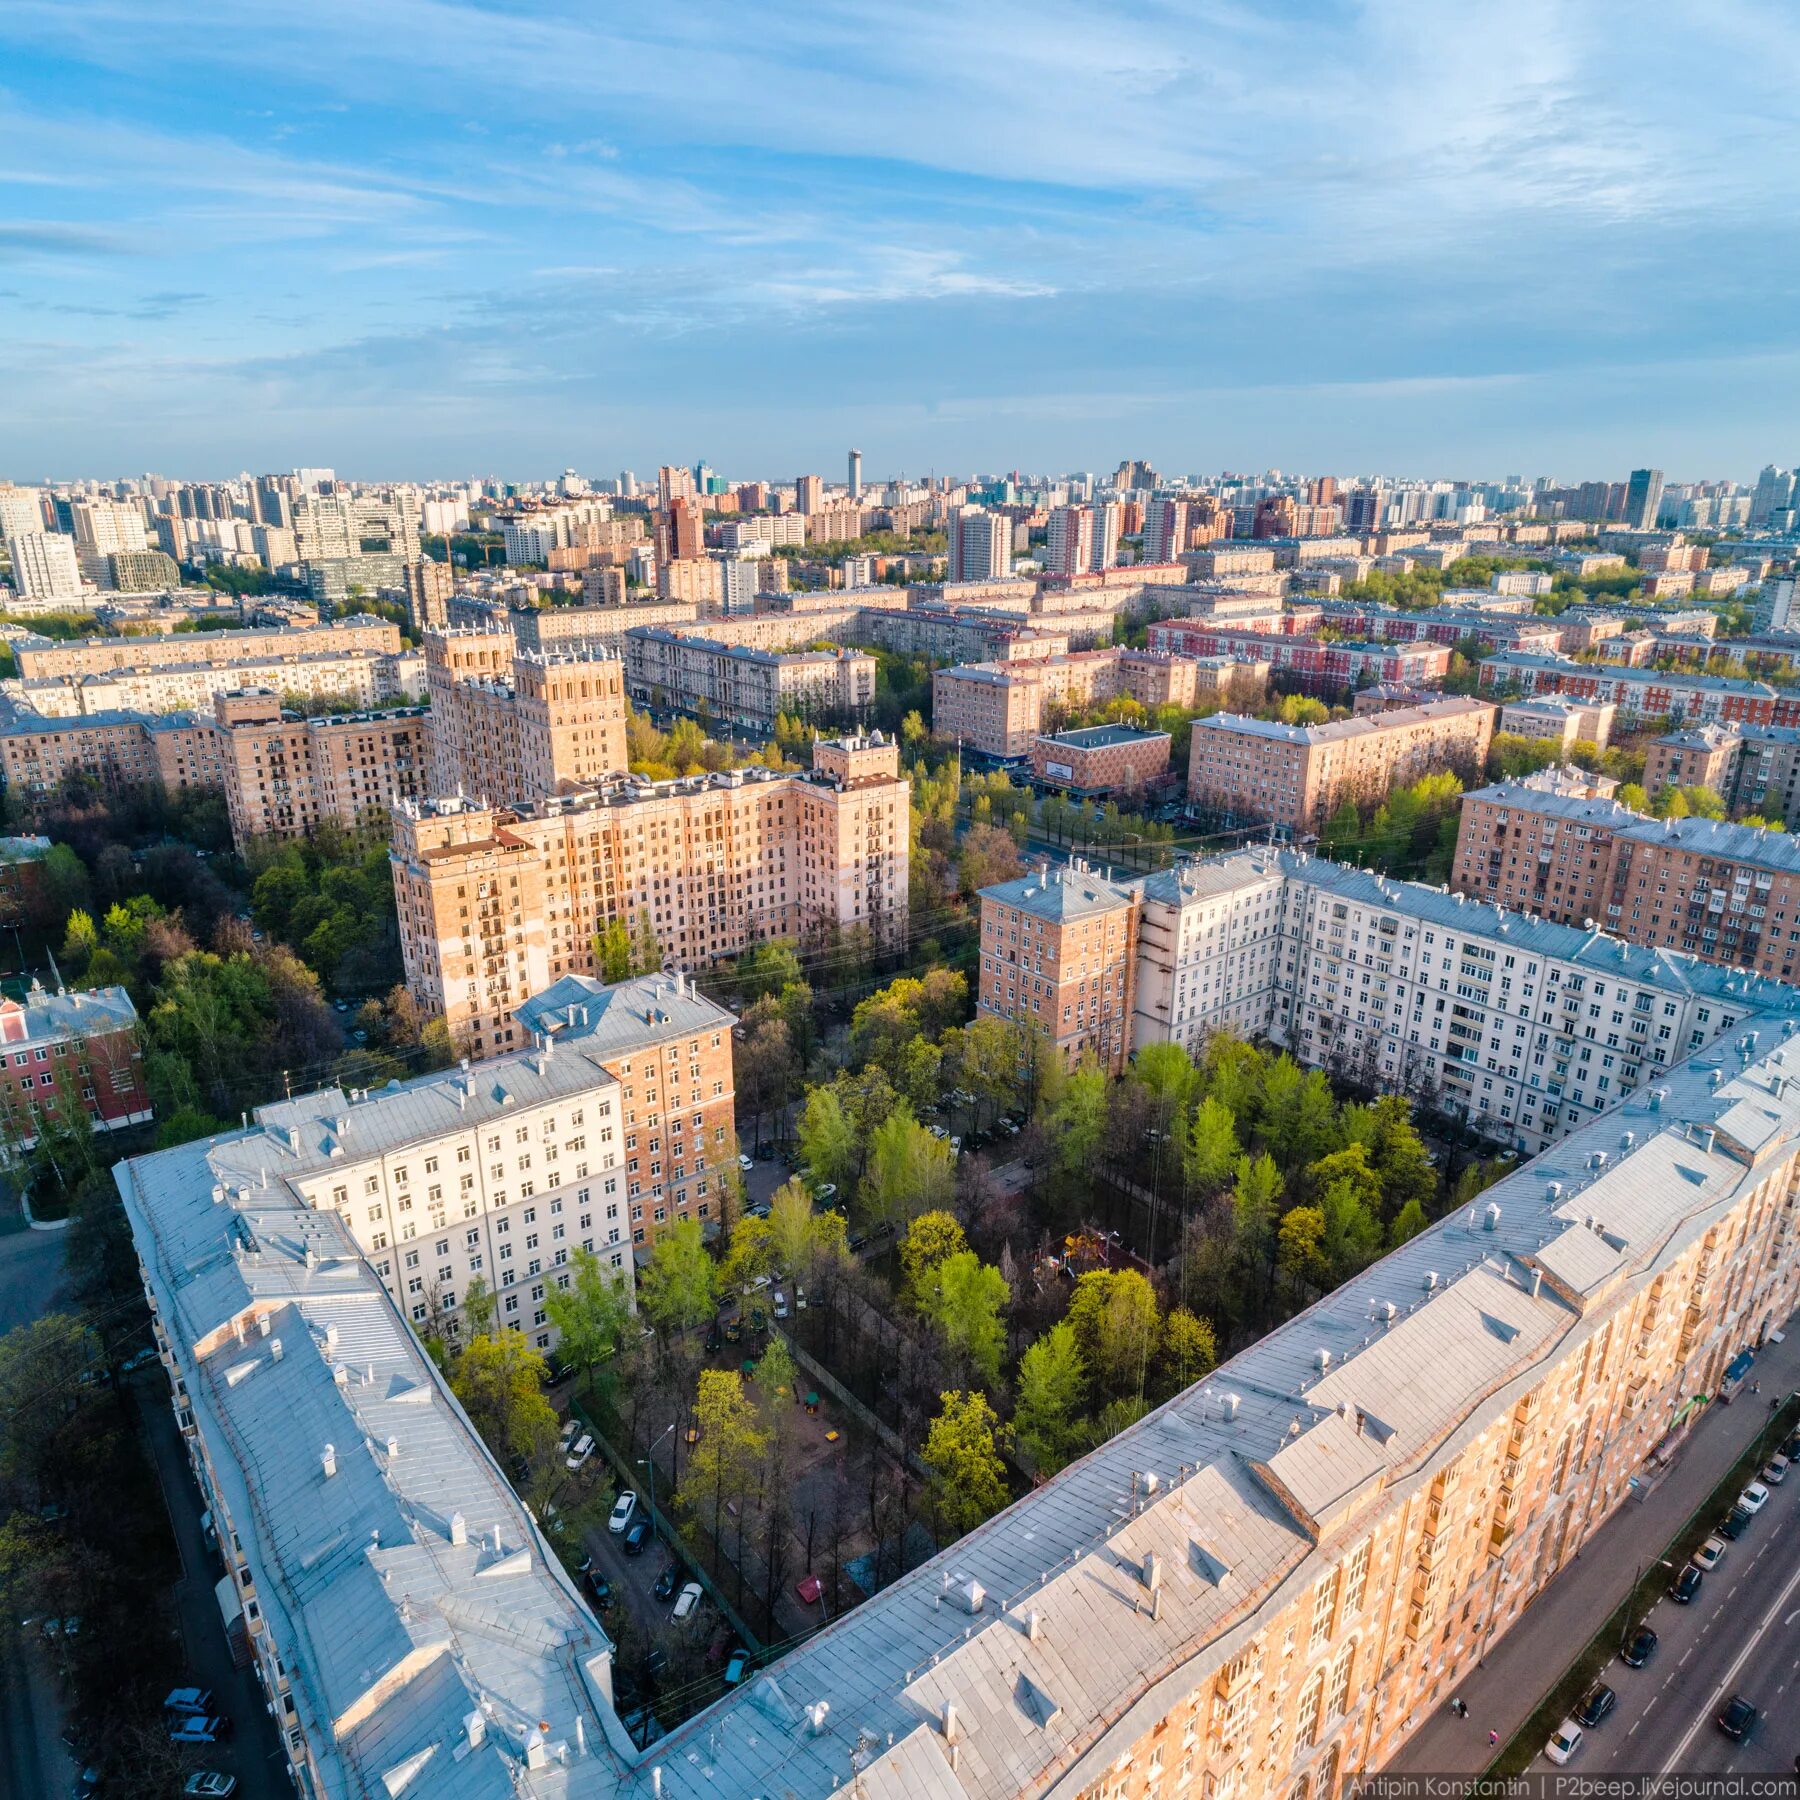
102,529
358,679
44,565
1524,1027
21,510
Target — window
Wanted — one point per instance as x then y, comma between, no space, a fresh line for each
1306,1721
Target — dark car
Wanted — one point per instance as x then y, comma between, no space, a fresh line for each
1641,1648
637,1534
1685,1585
714,1338
667,1582
1733,1525
599,1587
198,1728
1738,1719
1599,1702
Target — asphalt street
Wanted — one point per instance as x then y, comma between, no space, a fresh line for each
1511,1681
1739,1635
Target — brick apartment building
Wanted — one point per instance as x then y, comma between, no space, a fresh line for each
1100,759
1253,771
743,687
1752,768
1317,665
75,1047
1641,694
508,726
1564,722
1696,756
41,658
1058,951
495,904
1541,845
283,775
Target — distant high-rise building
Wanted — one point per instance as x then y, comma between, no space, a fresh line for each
980,545
1774,493
679,530
628,484
1363,509
1643,498
44,565
103,528
1276,516
673,484
855,474
21,509
809,494
1070,546
1165,529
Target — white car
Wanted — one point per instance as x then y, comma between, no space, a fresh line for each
825,1192
584,1448
209,1784
781,1305
1775,1470
623,1509
1565,1740
1754,1498
570,1427
687,1600
1710,1554
745,1163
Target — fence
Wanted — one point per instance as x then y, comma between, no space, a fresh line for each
885,1435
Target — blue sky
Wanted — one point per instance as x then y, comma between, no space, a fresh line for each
423,237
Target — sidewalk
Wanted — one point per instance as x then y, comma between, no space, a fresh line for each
1521,1667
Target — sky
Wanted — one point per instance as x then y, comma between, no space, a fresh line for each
433,238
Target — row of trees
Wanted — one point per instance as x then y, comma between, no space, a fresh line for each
1411,833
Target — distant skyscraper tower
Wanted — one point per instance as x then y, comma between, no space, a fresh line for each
1070,546
809,494
1774,493
980,545
855,474
1165,529
1643,498
628,484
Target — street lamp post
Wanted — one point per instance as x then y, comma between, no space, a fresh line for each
1662,1562
648,1461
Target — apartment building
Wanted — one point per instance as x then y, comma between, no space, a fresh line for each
1058,951
669,1048
352,679
1565,723
1251,771
1304,1554
743,687
1097,760
45,568
41,658
1542,845
1640,694
553,629
72,1048
507,726
1698,756
284,775
495,904
994,709
1317,665
1491,628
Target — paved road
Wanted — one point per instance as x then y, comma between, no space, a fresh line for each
1740,1635
198,1652
32,1758
1502,1694
30,1271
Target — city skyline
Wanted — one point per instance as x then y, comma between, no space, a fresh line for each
1371,239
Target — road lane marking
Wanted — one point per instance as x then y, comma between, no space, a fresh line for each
1731,1674
1689,1651
1650,1703
1635,1723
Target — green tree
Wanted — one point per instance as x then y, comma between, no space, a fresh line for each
500,1381
827,1140
1114,1316
791,1227
479,1308
646,952
1077,1124
39,1391
1168,1072
1409,1221
677,1286
963,1297
722,1460
909,1170
932,1238
590,1314
777,1378
612,951
962,1451
1211,1150
1189,1348
1052,1394
1300,1255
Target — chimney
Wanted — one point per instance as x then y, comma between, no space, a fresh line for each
816,1715
475,1729
328,1459
275,1349
1034,1625
393,1449
1537,1282
459,1529
1321,1360
1491,1219
950,1723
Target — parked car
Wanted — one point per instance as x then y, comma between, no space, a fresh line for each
1685,1586
781,1304
198,1728
687,1600
737,1665
1738,1719
623,1508
87,1784
584,1448
1565,1740
139,1359
746,1163
1710,1554
1754,1498
656,1665
1641,1648
1734,1524
599,1587
636,1537
209,1784
667,1581
1774,1471
1599,1702
825,1192
567,1437
734,1330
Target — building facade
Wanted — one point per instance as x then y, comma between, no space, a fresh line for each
495,904
1100,759
1255,771
1542,845
72,1051
743,687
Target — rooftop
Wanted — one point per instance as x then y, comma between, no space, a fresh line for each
1062,894
1719,838
1395,718
1099,737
